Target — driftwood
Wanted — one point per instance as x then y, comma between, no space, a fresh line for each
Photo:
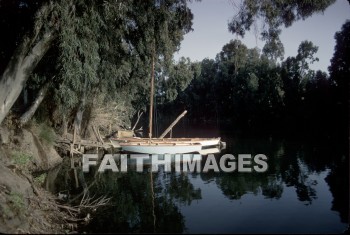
87,143
97,134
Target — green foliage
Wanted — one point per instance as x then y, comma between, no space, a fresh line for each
107,47
273,47
17,202
340,62
40,179
21,159
339,76
273,15
46,134
179,77
104,47
248,90
6,211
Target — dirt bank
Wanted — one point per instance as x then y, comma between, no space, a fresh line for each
25,207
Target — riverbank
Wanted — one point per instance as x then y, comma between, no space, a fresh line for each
25,206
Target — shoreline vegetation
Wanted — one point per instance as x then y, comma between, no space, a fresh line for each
81,70
27,202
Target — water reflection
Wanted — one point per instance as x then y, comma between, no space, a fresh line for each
143,202
304,190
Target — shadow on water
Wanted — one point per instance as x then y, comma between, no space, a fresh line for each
305,189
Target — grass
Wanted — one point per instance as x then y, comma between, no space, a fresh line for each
6,212
46,134
21,159
17,202
40,179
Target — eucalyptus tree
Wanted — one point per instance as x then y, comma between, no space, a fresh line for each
269,16
340,63
296,72
177,79
30,51
102,46
339,71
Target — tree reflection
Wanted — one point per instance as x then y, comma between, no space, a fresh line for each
274,188
286,166
235,185
290,165
180,188
142,202
295,173
338,181
145,202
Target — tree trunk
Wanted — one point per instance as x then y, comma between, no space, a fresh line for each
25,96
19,69
79,115
30,112
64,126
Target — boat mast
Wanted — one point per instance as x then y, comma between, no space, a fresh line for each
151,97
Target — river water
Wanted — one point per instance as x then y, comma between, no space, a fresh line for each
304,190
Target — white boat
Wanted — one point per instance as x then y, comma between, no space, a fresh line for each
204,142
209,151
160,148
163,145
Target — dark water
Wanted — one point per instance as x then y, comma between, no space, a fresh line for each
305,190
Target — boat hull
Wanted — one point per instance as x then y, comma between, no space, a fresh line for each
204,142
161,149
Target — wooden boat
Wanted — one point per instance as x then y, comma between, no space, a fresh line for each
163,145
160,148
203,146
204,142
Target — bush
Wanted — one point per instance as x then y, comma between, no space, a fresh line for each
17,202
21,159
40,179
46,134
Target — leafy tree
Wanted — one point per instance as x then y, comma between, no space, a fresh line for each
235,54
273,47
30,51
102,47
247,90
272,15
340,63
306,52
296,73
177,79
199,97
339,75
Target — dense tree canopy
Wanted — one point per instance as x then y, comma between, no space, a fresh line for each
340,63
246,90
99,48
96,54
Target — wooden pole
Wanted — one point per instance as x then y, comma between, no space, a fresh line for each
151,99
138,119
173,124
